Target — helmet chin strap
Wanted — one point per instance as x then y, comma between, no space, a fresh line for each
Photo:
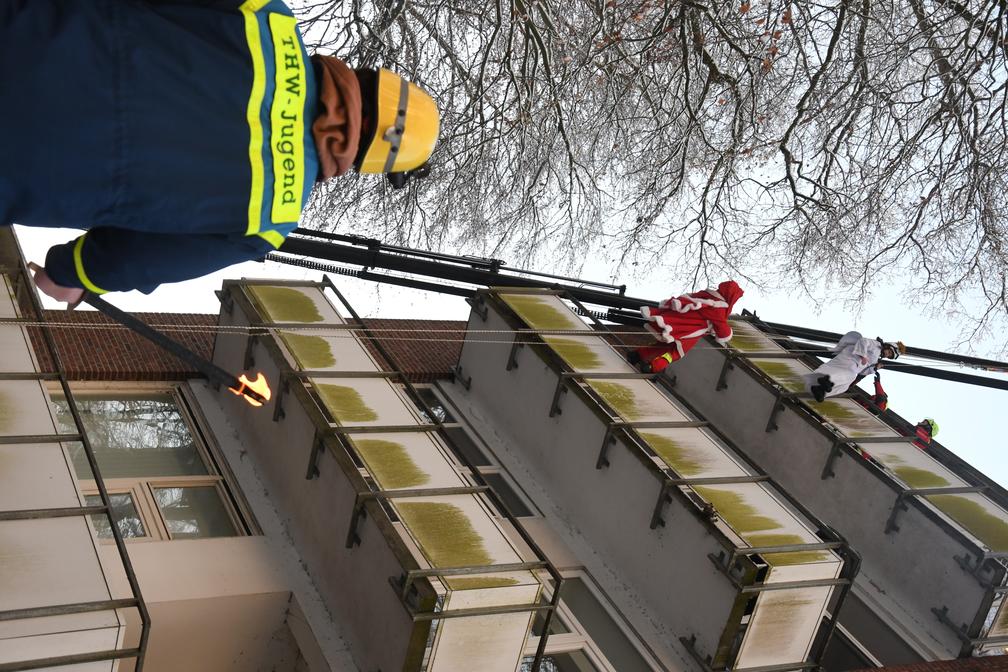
400,180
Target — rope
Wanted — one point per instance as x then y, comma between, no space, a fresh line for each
435,335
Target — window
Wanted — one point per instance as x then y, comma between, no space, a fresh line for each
602,627
161,481
514,503
575,661
124,512
585,635
468,446
437,407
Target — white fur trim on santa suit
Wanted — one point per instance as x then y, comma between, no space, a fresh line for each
722,341
646,312
712,303
679,349
688,302
696,334
664,335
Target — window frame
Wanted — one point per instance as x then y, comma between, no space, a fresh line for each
495,467
579,638
141,488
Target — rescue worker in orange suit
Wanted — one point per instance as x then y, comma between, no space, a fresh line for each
182,135
926,429
679,322
880,398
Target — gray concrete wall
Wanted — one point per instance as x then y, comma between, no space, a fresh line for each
903,574
316,513
611,507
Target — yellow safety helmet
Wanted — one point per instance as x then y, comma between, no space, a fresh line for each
934,426
405,131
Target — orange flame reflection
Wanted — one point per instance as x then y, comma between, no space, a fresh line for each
258,385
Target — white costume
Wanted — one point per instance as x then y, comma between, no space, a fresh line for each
856,356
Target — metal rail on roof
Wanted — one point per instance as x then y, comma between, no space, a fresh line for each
23,286
435,426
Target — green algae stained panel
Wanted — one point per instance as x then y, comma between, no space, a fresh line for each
588,353
787,558
346,404
636,400
769,525
286,304
690,452
748,338
978,515
445,534
390,464
911,465
310,352
785,372
483,643
447,538
850,418
736,512
406,460
782,627
327,350
915,477
363,401
543,311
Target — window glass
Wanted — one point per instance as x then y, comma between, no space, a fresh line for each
132,436
557,626
125,514
574,661
601,627
193,512
466,447
440,411
507,495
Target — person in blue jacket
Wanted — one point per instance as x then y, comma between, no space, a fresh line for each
182,136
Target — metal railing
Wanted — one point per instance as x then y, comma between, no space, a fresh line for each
988,567
327,432
28,300
672,482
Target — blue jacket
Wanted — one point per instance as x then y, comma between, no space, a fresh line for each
178,134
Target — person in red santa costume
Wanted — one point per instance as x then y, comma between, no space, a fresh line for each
678,323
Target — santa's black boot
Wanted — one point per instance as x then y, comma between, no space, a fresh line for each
822,386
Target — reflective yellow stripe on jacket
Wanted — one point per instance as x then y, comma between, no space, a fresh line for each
248,10
287,125
79,267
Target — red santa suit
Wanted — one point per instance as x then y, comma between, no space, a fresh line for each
681,321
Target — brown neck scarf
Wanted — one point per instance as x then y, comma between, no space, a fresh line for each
337,129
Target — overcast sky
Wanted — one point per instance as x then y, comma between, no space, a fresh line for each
968,416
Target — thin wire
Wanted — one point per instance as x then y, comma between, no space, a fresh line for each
440,336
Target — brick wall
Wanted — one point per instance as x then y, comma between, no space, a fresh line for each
986,664
93,347
424,349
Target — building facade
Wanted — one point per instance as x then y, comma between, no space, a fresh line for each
452,496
